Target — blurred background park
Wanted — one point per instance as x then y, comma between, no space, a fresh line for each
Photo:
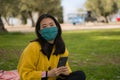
91,31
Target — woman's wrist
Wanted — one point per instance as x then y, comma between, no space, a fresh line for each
43,74
46,74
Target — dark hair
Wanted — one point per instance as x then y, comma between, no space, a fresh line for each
58,43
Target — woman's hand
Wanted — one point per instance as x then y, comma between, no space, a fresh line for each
65,70
54,72
57,71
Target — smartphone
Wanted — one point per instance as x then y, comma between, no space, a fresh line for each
62,61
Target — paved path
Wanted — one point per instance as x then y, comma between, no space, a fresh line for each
23,28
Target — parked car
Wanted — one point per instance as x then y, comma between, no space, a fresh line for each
77,20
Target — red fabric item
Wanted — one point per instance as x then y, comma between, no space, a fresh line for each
9,75
118,19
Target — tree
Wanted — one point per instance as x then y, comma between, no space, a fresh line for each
8,8
2,29
118,3
26,9
102,7
50,6
41,6
2,11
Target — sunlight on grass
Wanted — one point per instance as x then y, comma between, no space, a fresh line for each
78,31
106,37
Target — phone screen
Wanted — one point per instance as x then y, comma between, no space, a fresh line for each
62,61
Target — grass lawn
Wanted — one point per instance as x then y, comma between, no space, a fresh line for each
97,52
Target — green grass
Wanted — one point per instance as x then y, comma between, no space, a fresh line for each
96,52
11,46
15,39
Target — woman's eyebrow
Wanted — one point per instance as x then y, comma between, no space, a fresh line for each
51,23
43,24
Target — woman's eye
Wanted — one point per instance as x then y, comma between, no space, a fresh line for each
52,25
44,27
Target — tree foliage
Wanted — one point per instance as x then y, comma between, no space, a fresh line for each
8,8
25,8
118,3
41,6
103,7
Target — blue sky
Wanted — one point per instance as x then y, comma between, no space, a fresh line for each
71,6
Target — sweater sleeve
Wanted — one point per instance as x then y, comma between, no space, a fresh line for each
27,63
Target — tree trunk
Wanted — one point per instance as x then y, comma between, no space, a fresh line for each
31,17
7,21
2,29
106,19
23,17
24,20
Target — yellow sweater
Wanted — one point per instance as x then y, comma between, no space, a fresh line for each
33,62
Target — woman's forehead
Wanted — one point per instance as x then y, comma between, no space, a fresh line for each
46,21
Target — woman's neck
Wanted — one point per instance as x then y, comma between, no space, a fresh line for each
51,42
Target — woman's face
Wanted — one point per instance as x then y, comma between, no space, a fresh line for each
47,22
48,29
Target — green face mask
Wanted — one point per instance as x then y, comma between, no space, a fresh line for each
49,33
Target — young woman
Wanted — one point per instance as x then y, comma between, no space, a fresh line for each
40,58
